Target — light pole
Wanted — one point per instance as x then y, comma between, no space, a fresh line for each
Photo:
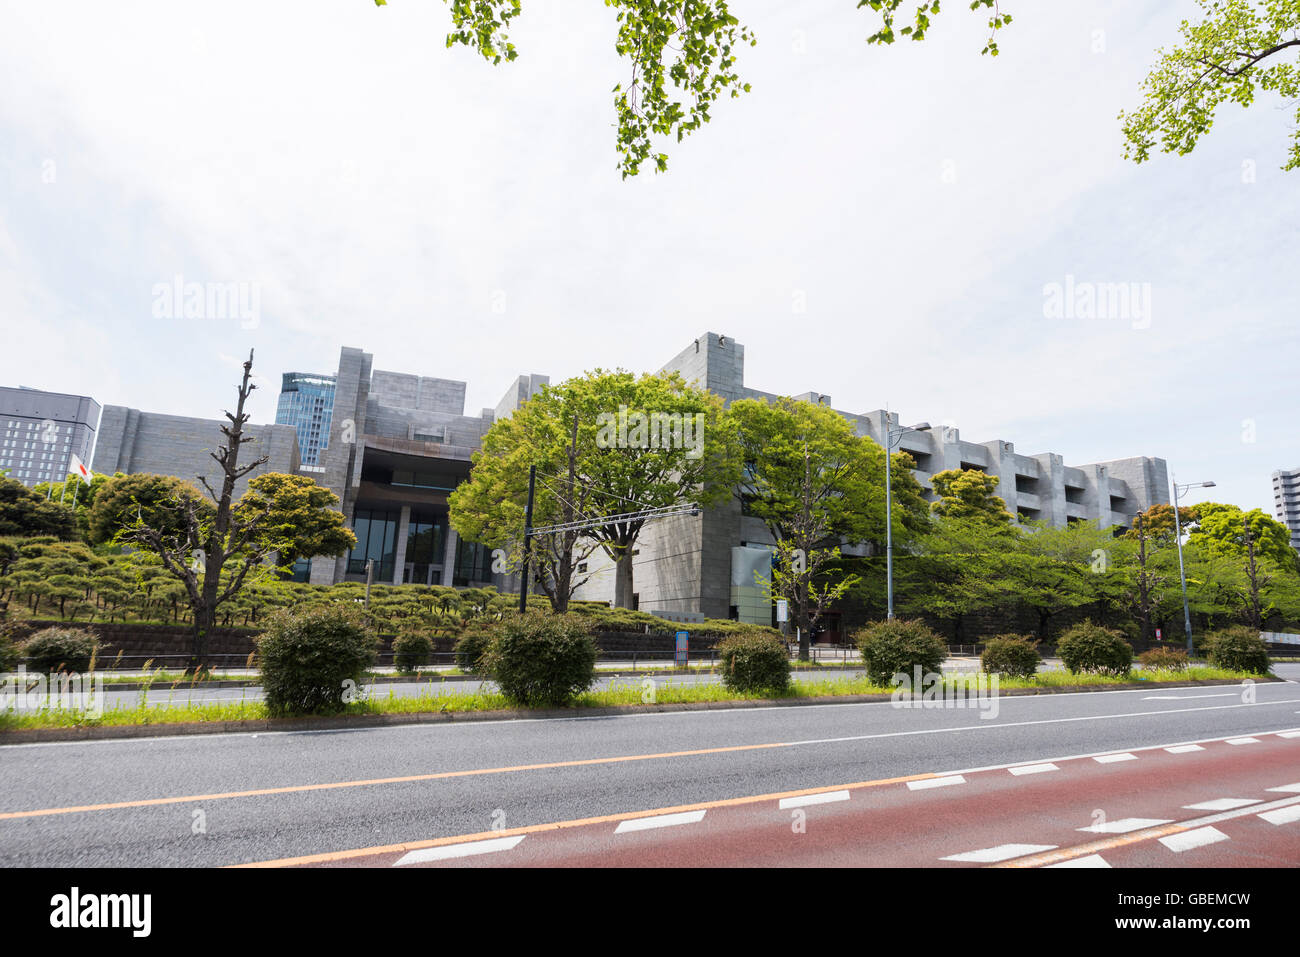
892,438
1182,575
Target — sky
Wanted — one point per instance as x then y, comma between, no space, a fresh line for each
886,225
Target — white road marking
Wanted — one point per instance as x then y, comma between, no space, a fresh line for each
659,820
1288,734
935,782
1283,815
447,851
1003,852
1092,860
1185,748
825,797
1034,768
1188,697
1112,758
1124,825
1221,804
1287,788
1243,741
1190,840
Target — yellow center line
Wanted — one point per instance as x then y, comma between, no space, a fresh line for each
334,856
370,782
1094,847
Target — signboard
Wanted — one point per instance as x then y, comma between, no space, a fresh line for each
1157,634
682,656
782,611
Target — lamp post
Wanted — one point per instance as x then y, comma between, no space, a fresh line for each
892,438
1182,575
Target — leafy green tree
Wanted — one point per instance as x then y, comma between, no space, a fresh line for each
74,492
155,500
1239,49
629,458
300,518
23,512
817,485
1056,569
957,569
1228,530
968,494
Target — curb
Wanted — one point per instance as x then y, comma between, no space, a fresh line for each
345,722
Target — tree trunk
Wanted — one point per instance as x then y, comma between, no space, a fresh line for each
623,579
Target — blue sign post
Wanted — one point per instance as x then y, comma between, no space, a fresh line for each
683,656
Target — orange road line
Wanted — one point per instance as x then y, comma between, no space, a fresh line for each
441,775
332,856
1093,847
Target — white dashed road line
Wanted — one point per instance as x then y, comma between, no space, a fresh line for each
1190,840
935,782
659,820
1124,825
1112,758
827,797
1185,748
1092,860
1243,741
1221,804
1285,815
1003,852
1288,788
491,846
1033,768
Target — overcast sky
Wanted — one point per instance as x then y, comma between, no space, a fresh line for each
878,224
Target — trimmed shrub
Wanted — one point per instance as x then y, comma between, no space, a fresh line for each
1164,659
1238,649
1014,656
60,649
899,647
754,661
1087,648
307,655
410,650
541,659
471,648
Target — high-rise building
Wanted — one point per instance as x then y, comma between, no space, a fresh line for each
1286,499
41,431
307,403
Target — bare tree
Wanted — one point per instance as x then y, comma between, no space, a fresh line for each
199,551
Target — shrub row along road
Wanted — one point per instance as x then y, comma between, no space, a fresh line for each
928,787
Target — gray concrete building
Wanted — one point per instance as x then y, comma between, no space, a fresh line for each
1286,500
134,441
705,565
41,431
398,445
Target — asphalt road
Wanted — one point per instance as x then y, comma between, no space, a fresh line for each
352,796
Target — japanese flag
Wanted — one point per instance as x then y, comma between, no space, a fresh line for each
78,468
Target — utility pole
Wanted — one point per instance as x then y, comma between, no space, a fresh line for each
528,539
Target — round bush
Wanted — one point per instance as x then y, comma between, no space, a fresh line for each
754,661
541,659
60,649
306,656
1238,649
410,650
899,647
1014,656
1164,659
471,648
1087,648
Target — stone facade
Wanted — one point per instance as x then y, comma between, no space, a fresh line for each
133,441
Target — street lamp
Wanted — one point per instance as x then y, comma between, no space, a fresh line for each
892,438
1182,575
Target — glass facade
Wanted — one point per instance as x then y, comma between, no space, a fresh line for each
426,538
307,403
376,532
473,563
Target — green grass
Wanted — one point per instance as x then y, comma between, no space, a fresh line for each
618,694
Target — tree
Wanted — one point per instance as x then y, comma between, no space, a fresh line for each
967,495
643,442
195,545
123,500
1148,573
958,568
298,513
1239,48
1227,529
489,508
1054,569
816,484
77,493
23,512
